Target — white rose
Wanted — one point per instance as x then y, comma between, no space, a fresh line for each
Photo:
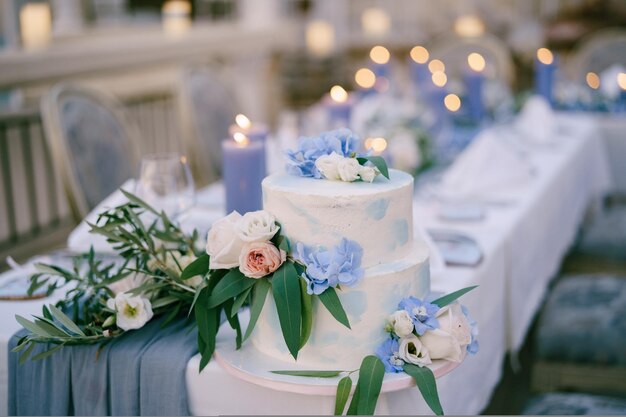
327,166
453,335
368,174
401,323
413,351
257,226
132,311
128,283
223,242
348,169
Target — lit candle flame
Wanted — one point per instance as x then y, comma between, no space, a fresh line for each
365,78
338,94
621,80
476,61
439,78
545,56
436,65
242,121
593,80
469,26
452,102
240,139
380,54
420,54
377,145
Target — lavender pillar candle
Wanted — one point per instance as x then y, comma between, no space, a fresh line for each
418,64
243,171
380,57
338,104
256,132
545,67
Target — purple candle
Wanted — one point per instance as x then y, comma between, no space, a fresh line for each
474,81
255,132
339,107
243,171
380,57
545,66
418,63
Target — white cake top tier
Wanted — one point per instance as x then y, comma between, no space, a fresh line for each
318,212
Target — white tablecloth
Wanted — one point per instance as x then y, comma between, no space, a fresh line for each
522,244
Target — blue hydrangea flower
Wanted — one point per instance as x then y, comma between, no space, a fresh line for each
387,352
301,161
424,314
473,347
329,268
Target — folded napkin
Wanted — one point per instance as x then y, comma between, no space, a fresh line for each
80,239
484,170
209,208
537,121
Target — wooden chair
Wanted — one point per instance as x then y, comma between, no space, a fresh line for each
207,109
94,146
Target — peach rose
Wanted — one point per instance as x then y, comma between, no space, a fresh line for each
259,259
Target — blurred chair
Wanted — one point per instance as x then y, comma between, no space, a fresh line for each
453,51
560,403
94,147
597,52
207,109
581,336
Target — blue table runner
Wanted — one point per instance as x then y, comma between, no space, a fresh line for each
140,373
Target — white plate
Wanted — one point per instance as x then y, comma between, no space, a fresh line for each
457,249
250,365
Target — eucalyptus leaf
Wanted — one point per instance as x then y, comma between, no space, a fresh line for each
32,327
233,284
331,301
343,393
24,356
134,199
310,374
352,409
50,328
450,298
261,288
371,375
286,291
165,301
425,381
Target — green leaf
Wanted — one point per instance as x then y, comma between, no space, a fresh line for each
259,295
447,299
371,374
200,266
206,319
110,321
234,322
24,356
286,291
284,244
50,328
378,161
233,284
343,393
425,380
162,302
241,298
134,199
331,301
307,313
65,321
32,327
311,374
47,353
355,401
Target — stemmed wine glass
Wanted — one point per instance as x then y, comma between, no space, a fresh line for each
165,182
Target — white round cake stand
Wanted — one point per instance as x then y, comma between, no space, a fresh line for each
253,366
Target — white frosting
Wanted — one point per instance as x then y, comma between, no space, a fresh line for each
379,217
320,213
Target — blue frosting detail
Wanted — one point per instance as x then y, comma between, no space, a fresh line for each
377,209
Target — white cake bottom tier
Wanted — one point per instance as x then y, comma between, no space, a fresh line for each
333,346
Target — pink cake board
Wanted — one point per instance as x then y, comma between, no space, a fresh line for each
253,366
